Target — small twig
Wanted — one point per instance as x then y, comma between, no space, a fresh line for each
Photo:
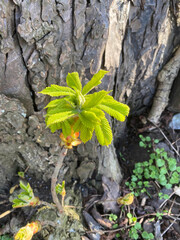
54,179
5,201
143,216
169,226
171,206
166,200
174,202
167,139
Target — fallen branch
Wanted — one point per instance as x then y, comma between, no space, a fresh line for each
165,78
54,180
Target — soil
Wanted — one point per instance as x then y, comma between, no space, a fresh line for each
96,199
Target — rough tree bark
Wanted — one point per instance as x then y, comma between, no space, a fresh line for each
42,40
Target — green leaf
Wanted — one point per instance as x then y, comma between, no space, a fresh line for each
55,126
89,119
137,226
95,81
56,91
73,81
21,174
129,215
160,162
115,109
24,187
80,99
134,178
172,164
115,226
110,102
77,125
162,180
94,99
103,132
60,188
145,235
175,178
151,236
148,139
63,106
99,113
163,170
59,117
54,103
66,128
86,133
142,144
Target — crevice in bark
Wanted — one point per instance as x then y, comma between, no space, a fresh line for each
5,67
73,25
43,37
103,62
22,159
16,36
85,43
88,3
41,9
115,83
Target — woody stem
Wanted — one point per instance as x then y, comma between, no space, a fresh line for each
54,180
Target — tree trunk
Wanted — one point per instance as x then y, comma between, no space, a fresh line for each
42,40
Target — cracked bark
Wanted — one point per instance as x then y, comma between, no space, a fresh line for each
130,39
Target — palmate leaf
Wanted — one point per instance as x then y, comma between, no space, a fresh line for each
26,197
81,112
60,117
73,81
86,133
104,133
89,119
94,99
95,81
56,91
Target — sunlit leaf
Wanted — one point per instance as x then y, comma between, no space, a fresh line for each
73,81
95,81
126,200
60,189
56,91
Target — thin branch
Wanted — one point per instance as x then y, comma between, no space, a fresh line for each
54,179
169,226
167,199
167,140
131,225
